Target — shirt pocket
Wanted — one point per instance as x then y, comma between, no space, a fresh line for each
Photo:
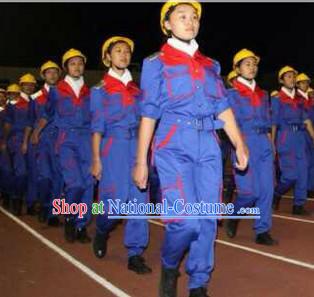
179,83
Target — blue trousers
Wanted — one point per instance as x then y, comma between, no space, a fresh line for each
73,150
118,157
189,166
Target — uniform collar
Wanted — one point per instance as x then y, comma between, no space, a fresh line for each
1,108
125,78
46,87
303,94
189,49
290,94
24,96
250,84
75,84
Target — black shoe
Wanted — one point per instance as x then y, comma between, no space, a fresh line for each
299,210
310,194
82,236
265,239
17,205
137,264
42,215
276,201
31,210
53,222
198,292
69,229
168,282
100,245
232,227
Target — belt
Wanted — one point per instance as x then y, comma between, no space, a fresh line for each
292,127
199,123
119,132
256,130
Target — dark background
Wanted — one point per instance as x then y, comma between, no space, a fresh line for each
280,33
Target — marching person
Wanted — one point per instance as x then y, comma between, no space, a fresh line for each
115,117
289,124
70,109
251,107
184,91
49,181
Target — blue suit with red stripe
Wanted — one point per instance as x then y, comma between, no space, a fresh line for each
255,185
6,174
309,107
49,179
72,117
115,115
289,116
18,116
186,94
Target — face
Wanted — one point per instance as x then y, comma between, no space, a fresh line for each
288,80
12,96
51,76
248,68
303,85
183,22
28,88
120,55
75,67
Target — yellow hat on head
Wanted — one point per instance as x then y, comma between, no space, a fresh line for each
165,8
27,78
302,77
13,88
274,93
286,69
232,74
243,54
71,53
47,65
111,40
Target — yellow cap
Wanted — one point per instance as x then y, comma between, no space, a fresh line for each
302,77
165,8
232,74
274,93
111,40
13,88
71,53
47,65
284,70
243,54
27,78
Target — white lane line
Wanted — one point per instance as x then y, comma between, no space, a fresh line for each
255,251
293,219
89,272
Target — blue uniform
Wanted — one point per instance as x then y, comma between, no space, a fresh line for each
18,116
6,174
115,115
49,179
252,112
309,107
186,94
289,116
71,115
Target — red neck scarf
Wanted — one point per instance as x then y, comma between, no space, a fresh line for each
115,86
284,98
255,96
171,56
65,89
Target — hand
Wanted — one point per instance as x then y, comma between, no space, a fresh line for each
96,169
242,154
35,137
24,147
140,175
3,147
